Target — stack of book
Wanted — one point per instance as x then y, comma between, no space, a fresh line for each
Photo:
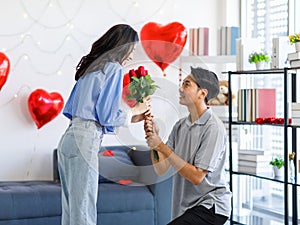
294,59
256,103
281,47
255,162
199,41
295,113
227,40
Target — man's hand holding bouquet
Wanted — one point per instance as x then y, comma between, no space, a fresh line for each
140,87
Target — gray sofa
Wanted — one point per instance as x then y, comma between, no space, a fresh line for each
142,199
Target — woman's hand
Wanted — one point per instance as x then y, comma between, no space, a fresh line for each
141,117
141,110
142,107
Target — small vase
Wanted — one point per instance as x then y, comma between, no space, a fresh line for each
297,46
278,173
260,65
291,171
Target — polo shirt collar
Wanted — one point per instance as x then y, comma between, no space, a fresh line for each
202,119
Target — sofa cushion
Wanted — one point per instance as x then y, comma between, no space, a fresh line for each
28,199
115,165
123,198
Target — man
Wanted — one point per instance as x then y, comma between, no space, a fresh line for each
196,149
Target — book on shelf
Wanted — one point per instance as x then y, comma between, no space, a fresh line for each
255,158
235,34
296,121
255,151
295,63
223,35
295,105
256,103
191,42
294,56
196,41
260,171
203,40
295,113
206,41
265,102
228,36
199,41
253,163
281,47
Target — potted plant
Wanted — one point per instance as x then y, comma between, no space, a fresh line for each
277,164
295,39
259,58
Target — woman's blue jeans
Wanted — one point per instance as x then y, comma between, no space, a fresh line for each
78,169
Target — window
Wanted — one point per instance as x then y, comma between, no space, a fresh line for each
265,19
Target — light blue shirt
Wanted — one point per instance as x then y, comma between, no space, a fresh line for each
97,96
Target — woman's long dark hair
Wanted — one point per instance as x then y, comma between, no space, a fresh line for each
114,46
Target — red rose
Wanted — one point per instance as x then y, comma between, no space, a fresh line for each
259,120
269,120
280,121
141,72
132,73
126,80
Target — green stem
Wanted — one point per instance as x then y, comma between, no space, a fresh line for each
155,154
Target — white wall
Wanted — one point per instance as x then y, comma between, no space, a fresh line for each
44,41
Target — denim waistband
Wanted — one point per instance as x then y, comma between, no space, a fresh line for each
86,123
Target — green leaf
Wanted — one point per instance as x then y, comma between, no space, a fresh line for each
135,79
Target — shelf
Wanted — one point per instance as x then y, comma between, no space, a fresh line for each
265,72
258,176
256,124
208,59
265,178
287,138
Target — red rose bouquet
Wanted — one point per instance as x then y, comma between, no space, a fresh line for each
137,85
141,85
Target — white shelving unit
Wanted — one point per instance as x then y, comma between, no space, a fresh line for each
220,59
219,64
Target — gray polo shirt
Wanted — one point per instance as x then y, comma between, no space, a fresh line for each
203,144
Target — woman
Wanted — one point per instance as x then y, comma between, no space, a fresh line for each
93,108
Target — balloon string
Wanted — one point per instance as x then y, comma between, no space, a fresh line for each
180,76
15,96
29,168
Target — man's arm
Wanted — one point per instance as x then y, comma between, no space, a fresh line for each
161,165
193,174
167,156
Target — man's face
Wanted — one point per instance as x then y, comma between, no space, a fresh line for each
190,93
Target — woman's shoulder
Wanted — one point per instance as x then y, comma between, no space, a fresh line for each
112,66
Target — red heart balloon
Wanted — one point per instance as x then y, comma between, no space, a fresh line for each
163,44
44,106
126,91
4,69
